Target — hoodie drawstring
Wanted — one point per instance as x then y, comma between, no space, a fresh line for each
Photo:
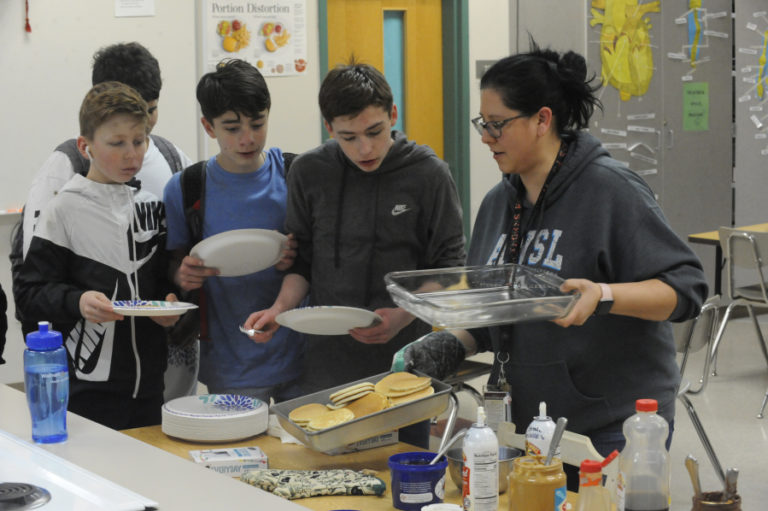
133,260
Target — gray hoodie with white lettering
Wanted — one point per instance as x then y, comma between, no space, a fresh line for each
353,227
601,222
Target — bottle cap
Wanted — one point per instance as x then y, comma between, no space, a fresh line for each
591,466
542,411
480,416
44,339
646,405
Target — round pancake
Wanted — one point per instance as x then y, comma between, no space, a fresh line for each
303,414
411,397
330,418
352,397
352,389
410,385
368,404
383,385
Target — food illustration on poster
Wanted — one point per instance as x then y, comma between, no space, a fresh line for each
270,35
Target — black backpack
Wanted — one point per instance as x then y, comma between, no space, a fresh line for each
80,165
194,324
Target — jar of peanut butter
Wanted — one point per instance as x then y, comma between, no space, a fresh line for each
534,486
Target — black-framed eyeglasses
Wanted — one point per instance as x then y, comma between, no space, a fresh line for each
492,127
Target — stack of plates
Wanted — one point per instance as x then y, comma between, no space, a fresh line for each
215,417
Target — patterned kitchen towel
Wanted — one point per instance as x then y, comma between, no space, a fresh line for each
299,484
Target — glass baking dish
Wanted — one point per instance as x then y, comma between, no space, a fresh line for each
477,296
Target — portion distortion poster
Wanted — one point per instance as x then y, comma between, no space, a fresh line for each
270,35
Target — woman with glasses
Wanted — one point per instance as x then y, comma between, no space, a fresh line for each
565,206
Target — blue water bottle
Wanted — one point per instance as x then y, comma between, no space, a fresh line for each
46,379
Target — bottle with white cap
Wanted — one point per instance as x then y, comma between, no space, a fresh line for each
538,436
480,475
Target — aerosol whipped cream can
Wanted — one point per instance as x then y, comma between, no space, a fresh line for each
539,433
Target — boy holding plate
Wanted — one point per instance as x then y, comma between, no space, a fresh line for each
99,240
242,187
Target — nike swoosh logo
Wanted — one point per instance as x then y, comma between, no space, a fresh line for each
399,209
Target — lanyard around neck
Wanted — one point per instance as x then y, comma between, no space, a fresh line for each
511,246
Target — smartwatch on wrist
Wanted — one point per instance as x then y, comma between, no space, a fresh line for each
606,302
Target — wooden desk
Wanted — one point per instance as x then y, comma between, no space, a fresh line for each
713,238
297,457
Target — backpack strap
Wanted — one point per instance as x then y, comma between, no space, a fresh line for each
193,198
169,152
287,161
80,163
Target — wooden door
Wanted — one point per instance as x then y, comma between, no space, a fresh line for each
356,27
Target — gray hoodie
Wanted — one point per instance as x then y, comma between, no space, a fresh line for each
353,227
601,222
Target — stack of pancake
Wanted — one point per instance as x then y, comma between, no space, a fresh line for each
362,399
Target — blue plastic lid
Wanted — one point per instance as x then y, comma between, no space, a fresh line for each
44,339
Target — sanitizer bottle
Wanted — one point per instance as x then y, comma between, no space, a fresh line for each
480,475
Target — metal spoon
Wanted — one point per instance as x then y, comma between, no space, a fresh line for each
450,442
250,331
556,436
693,470
731,475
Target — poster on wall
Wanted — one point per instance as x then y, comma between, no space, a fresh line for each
271,35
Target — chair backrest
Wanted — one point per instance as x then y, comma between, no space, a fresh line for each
745,249
692,335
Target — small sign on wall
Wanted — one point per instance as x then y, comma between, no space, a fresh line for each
129,8
696,106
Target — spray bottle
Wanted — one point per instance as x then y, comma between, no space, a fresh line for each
480,475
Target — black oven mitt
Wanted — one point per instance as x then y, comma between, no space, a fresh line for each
300,484
437,354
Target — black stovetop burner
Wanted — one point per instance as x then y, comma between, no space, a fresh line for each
19,496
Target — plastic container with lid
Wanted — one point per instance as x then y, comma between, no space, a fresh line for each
46,381
643,482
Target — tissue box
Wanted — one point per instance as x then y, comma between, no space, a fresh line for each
232,462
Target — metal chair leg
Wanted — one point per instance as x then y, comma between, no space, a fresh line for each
760,338
762,407
702,435
719,336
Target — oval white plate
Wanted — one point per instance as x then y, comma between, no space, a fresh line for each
327,320
241,251
151,307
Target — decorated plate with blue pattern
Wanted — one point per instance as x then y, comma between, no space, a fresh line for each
151,307
214,417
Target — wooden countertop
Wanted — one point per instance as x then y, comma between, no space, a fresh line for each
298,457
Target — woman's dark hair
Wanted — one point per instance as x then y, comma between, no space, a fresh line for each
542,77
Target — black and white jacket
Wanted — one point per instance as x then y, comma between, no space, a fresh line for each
108,238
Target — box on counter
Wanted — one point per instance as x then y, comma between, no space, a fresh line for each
231,462
369,443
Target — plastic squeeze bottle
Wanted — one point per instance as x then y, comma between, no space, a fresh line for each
538,436
480,475
643,482
592,495
46,379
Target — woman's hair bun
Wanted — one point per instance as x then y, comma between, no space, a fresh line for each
574,64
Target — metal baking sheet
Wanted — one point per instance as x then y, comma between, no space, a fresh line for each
369,426
477,296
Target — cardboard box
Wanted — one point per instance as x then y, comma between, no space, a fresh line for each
231,462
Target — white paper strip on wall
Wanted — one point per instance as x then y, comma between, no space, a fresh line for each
618,133
756,108
715,15
748,69
644,158
614,145
761,136
764,152
712,33
648,172
759,14
758,124
748,51
749,79
677,56
745,98
680,21
637,117
687,78
751,26
641,129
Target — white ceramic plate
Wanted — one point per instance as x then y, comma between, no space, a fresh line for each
327,320
151,308
240,252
